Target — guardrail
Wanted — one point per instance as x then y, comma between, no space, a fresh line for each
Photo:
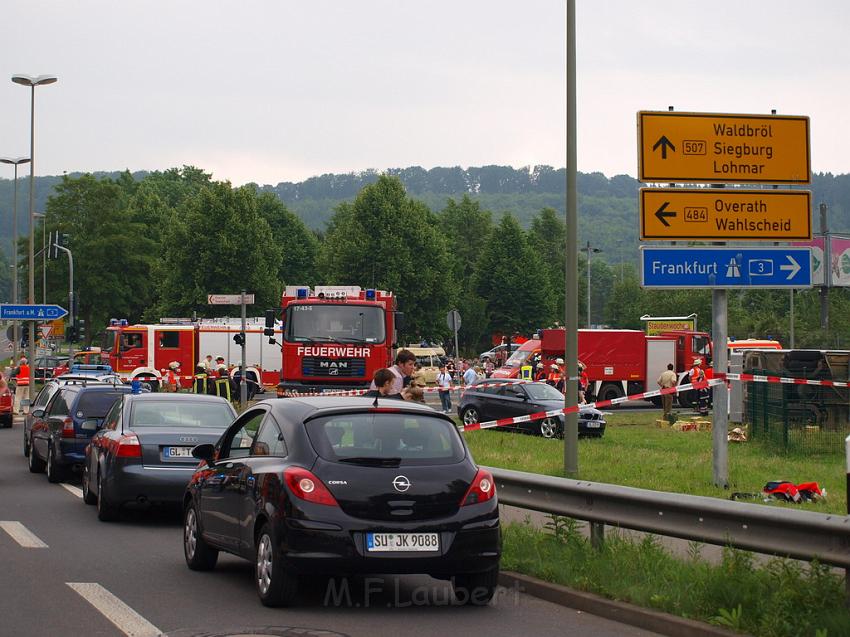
803,535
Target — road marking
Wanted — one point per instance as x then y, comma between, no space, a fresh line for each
72,489
122,616
22,535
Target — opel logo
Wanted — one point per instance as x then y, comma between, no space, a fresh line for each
188,439
401,483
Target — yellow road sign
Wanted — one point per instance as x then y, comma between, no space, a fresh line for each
721,148
725,214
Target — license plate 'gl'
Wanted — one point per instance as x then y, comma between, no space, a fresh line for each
376,542
177,452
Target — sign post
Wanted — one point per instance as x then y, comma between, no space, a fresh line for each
453,321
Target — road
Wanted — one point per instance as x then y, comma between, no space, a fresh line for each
66,573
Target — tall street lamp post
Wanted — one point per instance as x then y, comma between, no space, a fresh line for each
32,82
590,250
15,161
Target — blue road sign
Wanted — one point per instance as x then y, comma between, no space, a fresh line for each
723,267
31,312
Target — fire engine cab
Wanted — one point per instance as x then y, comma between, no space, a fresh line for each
336,336
142,351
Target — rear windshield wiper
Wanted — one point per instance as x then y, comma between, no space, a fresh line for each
372,461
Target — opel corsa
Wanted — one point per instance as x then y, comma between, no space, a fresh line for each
341,486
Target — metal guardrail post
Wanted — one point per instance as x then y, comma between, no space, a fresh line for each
597,535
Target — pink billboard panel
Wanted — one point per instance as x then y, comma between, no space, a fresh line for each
839,257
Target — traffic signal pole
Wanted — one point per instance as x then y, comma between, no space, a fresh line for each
243,382
71,321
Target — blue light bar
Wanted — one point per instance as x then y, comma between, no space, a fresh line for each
370,295
302,293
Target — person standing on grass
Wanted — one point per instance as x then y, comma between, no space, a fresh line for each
444,382
666,381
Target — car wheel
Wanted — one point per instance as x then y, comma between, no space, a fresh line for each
88,496
549,427
475,589
54,471
105,511
469,416
35,464
275,585
610,392
200,556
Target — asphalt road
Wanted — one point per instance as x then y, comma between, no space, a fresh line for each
65,573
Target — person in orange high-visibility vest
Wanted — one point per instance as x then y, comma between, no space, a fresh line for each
698,375
556,376
22,382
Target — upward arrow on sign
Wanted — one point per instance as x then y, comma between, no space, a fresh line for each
665,144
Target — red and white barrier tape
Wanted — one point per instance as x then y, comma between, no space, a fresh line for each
578,408
758,378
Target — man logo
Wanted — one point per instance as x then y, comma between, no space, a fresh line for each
401,484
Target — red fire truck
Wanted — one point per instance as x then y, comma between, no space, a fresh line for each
619,362
142,351
336,336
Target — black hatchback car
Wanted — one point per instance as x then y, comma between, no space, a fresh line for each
496,398
339,486
60,431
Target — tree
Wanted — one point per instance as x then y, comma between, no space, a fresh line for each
218,243
386,240
113,254
548,236
297,243
512,283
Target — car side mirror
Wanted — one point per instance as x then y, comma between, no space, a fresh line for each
38,413
91,424
205,452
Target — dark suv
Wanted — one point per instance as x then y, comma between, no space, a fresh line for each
61,430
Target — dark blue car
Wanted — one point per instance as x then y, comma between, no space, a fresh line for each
62,429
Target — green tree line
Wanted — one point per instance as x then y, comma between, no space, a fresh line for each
155,246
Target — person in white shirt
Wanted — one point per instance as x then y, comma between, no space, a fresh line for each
469,375
444,382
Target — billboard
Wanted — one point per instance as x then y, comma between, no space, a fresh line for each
839,267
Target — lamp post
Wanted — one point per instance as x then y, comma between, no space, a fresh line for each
15,161
589,251
32,82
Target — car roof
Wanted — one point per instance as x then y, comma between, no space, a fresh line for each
310,406
169,396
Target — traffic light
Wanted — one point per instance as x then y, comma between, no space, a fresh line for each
239,339
269,330
25,335
81,330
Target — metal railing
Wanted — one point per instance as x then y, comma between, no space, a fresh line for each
803,535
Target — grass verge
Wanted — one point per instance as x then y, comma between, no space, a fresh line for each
634,452
782,598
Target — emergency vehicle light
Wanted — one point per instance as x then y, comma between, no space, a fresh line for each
302,293
370,295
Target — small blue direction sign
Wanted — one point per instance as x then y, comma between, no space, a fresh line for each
724,267
31,312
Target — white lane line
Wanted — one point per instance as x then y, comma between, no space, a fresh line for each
22,535
125,618
77,491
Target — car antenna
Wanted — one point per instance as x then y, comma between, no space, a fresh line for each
375,403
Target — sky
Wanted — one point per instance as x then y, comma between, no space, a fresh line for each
268,91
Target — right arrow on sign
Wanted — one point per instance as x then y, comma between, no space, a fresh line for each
662,213
664,143
793,267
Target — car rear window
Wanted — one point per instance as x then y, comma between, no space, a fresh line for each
95,404
183,413
414,439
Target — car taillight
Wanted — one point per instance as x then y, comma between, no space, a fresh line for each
68,428
129,447
306,486
482,489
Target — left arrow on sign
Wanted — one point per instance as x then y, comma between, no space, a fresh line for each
793,267
662,213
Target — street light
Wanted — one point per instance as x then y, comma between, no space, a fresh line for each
589,251
15,161
32,82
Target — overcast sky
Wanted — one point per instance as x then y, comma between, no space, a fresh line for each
275,90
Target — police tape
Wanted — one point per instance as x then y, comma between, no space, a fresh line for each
760,378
